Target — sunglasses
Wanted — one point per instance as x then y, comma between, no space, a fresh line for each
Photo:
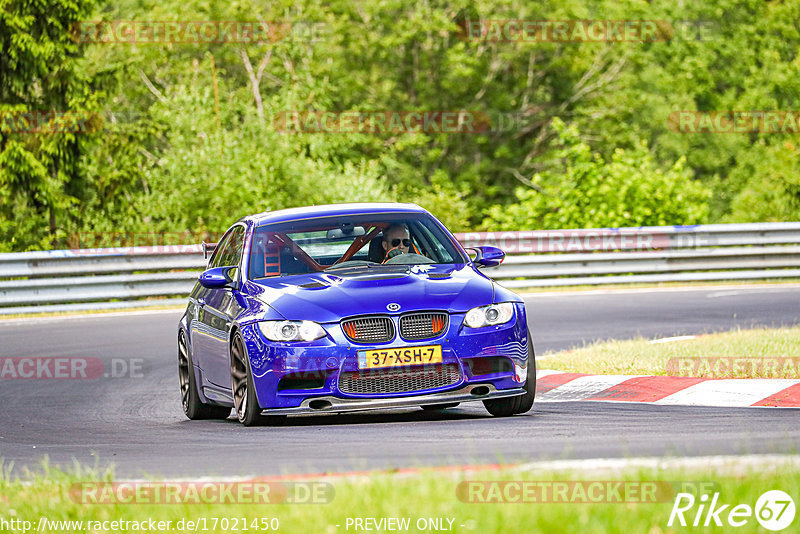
396,242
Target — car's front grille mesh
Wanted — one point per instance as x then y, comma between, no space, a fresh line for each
416,326
369,329
399,380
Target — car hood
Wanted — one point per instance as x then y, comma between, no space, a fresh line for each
329,296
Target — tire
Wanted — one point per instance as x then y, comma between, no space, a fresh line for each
521,403
245,401
436,407
193,407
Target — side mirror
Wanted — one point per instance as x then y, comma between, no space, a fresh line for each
218,277
487,256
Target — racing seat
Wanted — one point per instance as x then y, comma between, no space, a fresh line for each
376,252
266,261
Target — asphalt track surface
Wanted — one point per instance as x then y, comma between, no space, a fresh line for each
137,425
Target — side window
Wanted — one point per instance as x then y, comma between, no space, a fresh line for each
230,251
431,247
215,258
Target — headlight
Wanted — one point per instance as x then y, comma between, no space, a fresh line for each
291,330
489,315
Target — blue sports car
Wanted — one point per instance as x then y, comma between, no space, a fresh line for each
347,307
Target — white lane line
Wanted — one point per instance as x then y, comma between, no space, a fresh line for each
720,294
671,339
583,387
728,393
736,292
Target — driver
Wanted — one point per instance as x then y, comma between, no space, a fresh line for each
396,240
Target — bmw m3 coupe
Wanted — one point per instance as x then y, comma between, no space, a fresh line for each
349,307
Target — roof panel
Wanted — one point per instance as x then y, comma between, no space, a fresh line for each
333,210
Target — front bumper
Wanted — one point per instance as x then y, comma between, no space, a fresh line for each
329,358
330,404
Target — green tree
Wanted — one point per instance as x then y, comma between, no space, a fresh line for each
770,193
40,178
586,191
168,160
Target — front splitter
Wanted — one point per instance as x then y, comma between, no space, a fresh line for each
330,404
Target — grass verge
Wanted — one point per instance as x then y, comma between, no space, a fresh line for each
754,353
563,501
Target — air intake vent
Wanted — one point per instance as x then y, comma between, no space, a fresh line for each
398,381
369,329
416,326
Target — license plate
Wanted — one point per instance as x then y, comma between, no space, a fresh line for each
399,356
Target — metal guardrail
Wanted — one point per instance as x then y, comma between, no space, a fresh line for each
62,280
649,254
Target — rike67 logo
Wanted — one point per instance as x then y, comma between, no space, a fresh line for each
774,510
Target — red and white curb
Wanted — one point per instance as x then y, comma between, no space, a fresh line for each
557,386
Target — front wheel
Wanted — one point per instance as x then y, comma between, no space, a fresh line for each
244,392
521,403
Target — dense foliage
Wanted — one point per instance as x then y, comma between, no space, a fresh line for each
187,137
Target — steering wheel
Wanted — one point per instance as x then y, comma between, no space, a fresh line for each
409,258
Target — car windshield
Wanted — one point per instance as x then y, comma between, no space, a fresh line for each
364,241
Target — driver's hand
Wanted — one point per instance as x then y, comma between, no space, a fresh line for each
394,252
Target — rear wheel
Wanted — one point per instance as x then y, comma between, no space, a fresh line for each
245,401
190,399
521,403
